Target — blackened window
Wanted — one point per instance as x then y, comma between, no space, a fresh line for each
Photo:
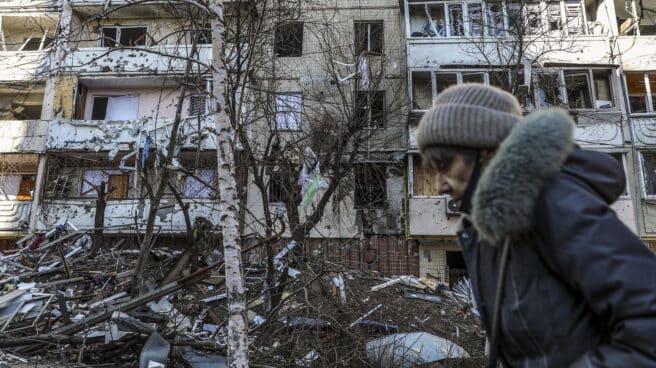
99,110
370,185
289,39
109,36
370,108
369,37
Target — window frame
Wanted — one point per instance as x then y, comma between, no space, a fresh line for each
650,108
117,41
108,96
109,172
459,80
368,50
541,6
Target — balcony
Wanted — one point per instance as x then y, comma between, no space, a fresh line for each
644,128
427,216
114,136
14,216
23,136
147,60
120,214
19,66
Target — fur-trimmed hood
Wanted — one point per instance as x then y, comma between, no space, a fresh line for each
535,151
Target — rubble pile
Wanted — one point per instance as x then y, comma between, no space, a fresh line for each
65,304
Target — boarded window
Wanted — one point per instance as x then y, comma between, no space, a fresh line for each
369,37
115,108
288,111
194,188
117,183
424,179
370,108
288,40
370,185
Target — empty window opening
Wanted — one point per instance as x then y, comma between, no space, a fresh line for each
473,77
634,19
602,87
194,188
115,108
370,108
288,111
424,178
117,183
288,39
370,185
123,36
202,36
578,89
369,37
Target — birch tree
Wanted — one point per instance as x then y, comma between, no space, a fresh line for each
237,322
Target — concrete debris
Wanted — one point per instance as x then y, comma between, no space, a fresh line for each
66,302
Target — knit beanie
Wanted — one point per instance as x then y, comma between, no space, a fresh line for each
469,115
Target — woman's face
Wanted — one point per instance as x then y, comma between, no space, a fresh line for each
452,179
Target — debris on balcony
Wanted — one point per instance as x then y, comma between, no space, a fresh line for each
68,304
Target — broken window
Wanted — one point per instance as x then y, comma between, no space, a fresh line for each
288,111
370,108
288,39
424,178
574,17
422,91
549,89
115,108
194,188
202,36
554,18
116,181
473,77
369,37
495,22
641,89
197,104
578,89
445,80
370,185
475,19
457,25
123,36
649,172
636,18
603,90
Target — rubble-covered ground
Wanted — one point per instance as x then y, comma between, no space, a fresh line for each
64,304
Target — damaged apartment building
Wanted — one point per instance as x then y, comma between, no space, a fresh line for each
591,57
90,91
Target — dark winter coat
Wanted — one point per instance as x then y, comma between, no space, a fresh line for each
580,287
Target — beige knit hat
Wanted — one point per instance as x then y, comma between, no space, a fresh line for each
469,115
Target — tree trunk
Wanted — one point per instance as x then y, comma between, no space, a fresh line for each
237,326
99,218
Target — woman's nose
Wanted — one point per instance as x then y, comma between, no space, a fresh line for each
443,187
